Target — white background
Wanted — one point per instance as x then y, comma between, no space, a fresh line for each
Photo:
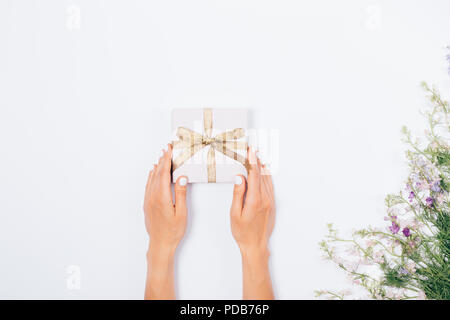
86,89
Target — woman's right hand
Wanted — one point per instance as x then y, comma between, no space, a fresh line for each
252,222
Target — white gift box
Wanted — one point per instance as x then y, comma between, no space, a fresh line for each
196,132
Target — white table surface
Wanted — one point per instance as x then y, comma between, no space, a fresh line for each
86,89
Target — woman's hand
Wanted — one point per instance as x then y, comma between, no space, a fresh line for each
165,222
252,222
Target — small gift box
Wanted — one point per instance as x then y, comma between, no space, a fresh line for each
210,145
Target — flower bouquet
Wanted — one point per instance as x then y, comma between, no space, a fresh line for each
409,257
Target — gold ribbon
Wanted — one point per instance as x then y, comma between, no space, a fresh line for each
225,142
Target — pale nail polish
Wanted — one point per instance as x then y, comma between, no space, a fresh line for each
238,180
183,181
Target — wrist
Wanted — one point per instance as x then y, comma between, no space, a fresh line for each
160,252
255,254
160,262
160,272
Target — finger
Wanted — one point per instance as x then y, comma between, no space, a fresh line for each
266,173
148,188
180,196
166,162
163,169
149,181
238,195
267,182
160,185
254,173
160,162
151,177
252,157
258,161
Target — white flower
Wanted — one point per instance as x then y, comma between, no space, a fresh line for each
434,144
389,294
378,257
414,224
351,250
421,295
398,296
346,292
410,223
403,223
370,243
350,266
365,262
440,198
411,267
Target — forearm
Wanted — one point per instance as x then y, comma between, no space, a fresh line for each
160,274
257,283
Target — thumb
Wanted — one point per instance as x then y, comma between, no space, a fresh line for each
238,195
180,196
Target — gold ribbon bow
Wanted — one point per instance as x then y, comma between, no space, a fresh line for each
225,142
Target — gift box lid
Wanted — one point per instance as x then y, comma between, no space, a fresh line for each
210,145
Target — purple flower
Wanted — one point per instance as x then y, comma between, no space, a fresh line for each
429,201
411,196
403,271
436,186
406,232
395,228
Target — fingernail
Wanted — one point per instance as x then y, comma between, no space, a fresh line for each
238,180
183,181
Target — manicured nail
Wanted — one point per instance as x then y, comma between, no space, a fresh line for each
238,180
183,181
